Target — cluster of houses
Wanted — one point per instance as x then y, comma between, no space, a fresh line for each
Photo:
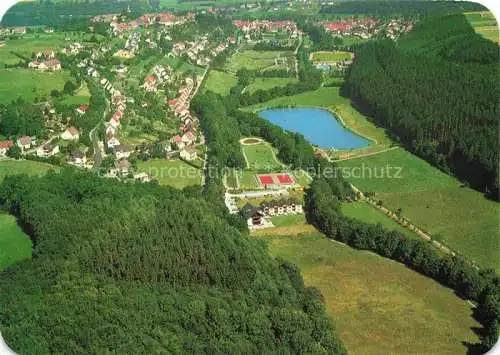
73,48
366,27
180,105
257,217
257,26
45,61
7,31
395,28
161,75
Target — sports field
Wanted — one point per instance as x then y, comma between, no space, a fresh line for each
378,306
219,82
330,57
269,83
175,173
30,84
261,157
369,214
434,201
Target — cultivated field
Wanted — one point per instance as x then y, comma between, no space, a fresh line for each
379,306
13,167
484,23
369,214
14,244
433,200
30,84
269,83
219,82
330,57
175,173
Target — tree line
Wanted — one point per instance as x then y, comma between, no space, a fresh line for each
435,96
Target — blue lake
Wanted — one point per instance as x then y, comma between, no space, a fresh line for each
319,126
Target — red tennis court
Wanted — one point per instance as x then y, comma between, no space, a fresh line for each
266,179
285,179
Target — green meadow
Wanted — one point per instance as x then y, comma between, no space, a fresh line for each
378,306
13,167
254,60
30,84
436,202
174,173
219,82
15,245
269,83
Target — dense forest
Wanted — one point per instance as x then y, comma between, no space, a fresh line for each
146,269
437,91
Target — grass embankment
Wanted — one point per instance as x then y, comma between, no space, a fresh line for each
219,82
434,201
379,306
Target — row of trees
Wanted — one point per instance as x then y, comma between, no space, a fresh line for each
149,270
440,100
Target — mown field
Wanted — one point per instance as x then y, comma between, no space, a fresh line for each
330,57
219,82
175,173
15,245
81,97
436,202
269,83
369,214
30,84
379,306
261,157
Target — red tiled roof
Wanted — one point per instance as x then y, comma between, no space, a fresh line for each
6,144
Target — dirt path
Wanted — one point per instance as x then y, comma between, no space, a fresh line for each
366,154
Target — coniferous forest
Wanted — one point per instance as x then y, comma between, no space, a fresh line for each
437,91
137,268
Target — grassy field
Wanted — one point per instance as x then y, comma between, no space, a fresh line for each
14,244
331,57
81,97
434,201
323,97
30,84
269,83
369,214
379,306
289,220
261,157
13,167
175,173
219,82
254,60
484,23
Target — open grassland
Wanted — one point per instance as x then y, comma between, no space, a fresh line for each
255,60
261,157
15,245
80,97
269,83
379,306
29,84
175,173
484,23
14,167
219,82
369,214
180,65
460,217
330,57
289,220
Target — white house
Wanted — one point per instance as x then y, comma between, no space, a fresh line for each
113,142
188,154
48,150
122,152
5,146
70,134
24,143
